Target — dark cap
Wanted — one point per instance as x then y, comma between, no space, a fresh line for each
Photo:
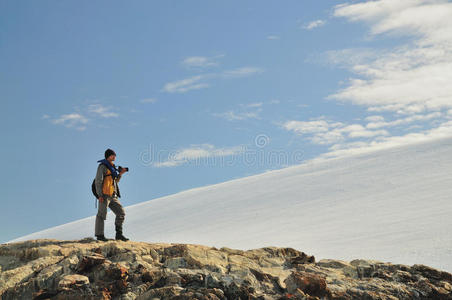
109,152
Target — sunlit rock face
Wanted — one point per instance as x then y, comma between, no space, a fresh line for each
88,269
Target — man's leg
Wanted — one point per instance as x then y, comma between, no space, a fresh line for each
118,210
101,217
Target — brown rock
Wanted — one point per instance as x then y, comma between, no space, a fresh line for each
311,284
117,271
43,269
89,261
70,280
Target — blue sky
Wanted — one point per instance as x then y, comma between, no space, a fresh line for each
195,93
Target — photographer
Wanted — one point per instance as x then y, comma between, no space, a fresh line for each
106,184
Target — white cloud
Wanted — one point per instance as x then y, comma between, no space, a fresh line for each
184,85
249,111
314,126
196,153
357,130
148,100
78,120
319,130
345,58
314,24
241,72
252,105
200,61
413,118
410,82
73,120
410,78
375,118
384,142
198,81
102,111
235,116
325,132
272,37
429,20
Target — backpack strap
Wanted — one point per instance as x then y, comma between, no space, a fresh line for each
107,169
112,168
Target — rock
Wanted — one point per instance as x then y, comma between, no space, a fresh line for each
176,262
331,263
90,261
69,281
152,276
308,283
86,269
117,271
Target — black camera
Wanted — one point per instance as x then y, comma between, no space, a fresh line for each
125,168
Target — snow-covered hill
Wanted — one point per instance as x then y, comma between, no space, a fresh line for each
393,205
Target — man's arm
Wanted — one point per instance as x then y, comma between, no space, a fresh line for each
120,175
99,180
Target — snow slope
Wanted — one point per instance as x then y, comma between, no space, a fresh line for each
393,205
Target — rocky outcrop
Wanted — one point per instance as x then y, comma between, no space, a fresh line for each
87,269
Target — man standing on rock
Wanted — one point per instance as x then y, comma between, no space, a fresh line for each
106,183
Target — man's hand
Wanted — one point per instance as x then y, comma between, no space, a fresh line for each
101,199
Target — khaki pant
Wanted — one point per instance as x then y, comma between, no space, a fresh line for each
116,207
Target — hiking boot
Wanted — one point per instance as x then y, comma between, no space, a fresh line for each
101,238
119,236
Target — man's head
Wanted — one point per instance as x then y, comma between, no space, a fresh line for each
110,155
